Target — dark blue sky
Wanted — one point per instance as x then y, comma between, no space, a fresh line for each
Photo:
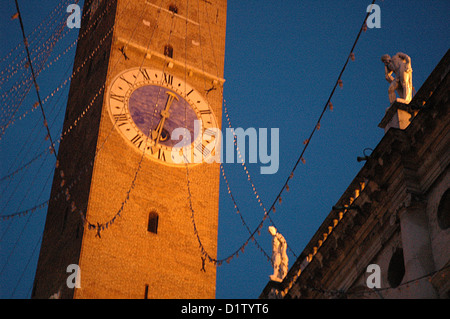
282,61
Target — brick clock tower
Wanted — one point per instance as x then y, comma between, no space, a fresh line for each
125,207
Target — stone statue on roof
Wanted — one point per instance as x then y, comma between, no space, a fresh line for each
400,65
279,257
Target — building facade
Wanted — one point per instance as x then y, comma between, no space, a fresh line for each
388,236
126,208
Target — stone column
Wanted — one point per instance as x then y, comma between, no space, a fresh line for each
417,251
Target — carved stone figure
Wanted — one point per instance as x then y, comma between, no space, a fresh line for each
279,257
400,65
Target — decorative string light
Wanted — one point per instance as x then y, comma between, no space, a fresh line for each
73,207
92,53
257,196
101,226
26,211
12,67
252,238
327,105
98,226
205,254
10,175
70,128
26,83
41,51
34,76
26,148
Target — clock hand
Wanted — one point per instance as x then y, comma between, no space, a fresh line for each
156,134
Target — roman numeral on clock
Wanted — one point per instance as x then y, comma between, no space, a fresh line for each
145,74
126,81
205,112
168,78
137,140
120,119
161,155
117,97
158,152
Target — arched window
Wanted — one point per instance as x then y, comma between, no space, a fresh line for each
396,269
443,212
168,51
153,222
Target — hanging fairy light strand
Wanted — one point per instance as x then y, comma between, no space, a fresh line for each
278,198
91,225
20,90
34,79
257,230
15,101
64,82
268,257
101,226
307,142
328,105
69,129
342,293
31,182
84,112
77,70
13,97
20,159
249,178
40,28
204,251
98,226
37,35
26,167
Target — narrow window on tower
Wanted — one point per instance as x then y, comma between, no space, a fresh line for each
168,51
153,222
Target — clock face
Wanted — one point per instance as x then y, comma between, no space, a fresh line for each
162,116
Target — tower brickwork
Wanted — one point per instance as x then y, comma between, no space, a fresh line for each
106,186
